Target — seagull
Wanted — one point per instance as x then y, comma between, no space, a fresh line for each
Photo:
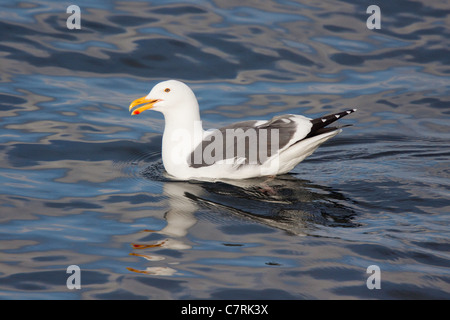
242,150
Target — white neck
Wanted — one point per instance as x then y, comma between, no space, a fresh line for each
182,132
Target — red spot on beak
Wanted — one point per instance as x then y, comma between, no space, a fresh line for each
136,112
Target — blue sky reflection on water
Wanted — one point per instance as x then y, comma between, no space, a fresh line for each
82,181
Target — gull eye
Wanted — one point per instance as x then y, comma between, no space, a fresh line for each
166,90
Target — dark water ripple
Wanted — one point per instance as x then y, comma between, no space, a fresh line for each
82,182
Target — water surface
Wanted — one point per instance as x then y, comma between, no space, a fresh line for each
82,181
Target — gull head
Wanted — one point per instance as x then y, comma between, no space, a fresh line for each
167,97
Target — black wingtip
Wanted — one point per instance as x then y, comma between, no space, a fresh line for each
326,120
319,124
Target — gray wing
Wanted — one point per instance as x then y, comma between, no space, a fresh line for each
244,142
248,142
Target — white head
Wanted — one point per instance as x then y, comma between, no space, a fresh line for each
170,96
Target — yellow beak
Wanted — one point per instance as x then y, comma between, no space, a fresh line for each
148,105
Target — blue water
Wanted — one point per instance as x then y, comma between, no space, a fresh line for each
82,182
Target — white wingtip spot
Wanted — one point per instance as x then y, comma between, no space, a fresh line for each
324,120
348,112
354,110
337,116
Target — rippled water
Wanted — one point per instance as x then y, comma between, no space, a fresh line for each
82,181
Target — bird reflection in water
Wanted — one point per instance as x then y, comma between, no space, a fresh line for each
283,202
179,219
